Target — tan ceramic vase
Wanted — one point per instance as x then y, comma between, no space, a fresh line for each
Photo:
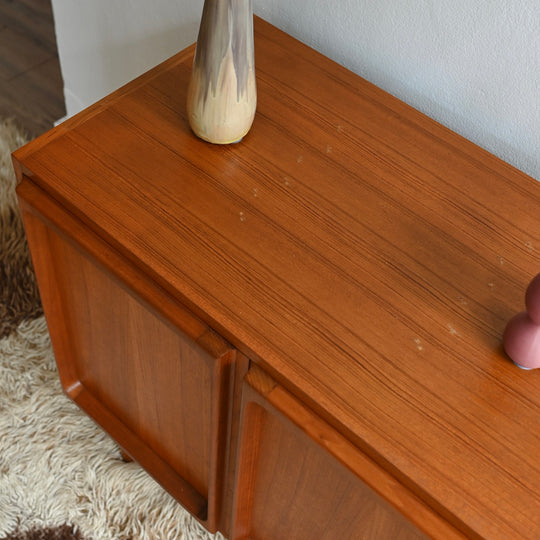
222,95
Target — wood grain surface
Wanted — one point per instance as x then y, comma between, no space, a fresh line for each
293,465
156,378
367,257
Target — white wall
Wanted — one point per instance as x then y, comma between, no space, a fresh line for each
473,65
104,43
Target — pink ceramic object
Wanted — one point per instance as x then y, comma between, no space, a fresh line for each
521,337
522,341
532,299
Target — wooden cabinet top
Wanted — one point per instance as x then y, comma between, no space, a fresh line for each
366,256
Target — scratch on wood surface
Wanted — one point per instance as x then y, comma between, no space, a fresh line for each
452,330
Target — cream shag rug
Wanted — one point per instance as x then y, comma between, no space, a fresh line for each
61,476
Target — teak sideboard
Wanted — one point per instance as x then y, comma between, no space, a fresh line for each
298,336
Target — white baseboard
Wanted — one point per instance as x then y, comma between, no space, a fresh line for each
60,120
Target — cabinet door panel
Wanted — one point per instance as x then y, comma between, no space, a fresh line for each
298,478
152,377
151,373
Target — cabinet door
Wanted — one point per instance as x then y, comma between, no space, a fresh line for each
153,375
299,478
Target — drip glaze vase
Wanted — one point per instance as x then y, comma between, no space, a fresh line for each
222,94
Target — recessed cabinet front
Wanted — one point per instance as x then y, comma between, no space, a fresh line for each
154,376
298,478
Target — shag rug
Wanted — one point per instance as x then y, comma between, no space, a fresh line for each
61,476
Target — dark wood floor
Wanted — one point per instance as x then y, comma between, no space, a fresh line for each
31,86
